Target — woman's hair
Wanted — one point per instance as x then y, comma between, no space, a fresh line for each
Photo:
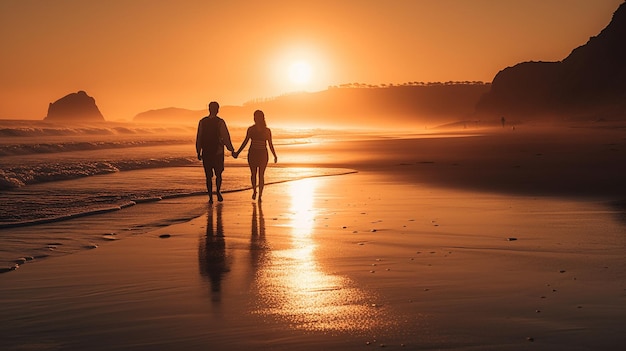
259,118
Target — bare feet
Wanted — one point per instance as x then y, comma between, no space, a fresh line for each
219,197
254,195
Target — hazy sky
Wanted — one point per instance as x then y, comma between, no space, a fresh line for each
136,55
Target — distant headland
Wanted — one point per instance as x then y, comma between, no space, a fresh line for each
342,105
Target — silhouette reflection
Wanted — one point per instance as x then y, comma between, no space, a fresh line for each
213,261
258,244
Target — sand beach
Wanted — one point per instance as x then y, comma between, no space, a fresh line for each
492,240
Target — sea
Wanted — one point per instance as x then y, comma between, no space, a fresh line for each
64,188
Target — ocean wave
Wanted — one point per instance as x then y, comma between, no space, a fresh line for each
17,128
21,175
47,148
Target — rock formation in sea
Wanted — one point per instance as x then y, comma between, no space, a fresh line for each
78,107
590,82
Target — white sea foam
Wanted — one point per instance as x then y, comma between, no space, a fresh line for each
15,176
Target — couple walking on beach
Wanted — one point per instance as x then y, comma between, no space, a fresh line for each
213,135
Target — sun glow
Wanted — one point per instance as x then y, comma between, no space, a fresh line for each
300,72
299,68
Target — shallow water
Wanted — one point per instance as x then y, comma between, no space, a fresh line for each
51,174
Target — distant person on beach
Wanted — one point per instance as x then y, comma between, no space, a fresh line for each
261,137
210,141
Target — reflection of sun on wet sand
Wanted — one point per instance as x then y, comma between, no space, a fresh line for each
500,242
293,286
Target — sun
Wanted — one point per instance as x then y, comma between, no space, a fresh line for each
300,72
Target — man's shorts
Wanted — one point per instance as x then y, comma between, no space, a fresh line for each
212,164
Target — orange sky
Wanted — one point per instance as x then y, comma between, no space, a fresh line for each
136,55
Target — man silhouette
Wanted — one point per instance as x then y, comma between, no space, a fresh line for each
210,141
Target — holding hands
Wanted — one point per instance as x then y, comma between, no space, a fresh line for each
235,154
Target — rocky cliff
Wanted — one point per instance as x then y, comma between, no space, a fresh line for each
589,83
78,107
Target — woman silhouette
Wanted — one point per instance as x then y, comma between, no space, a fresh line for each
261,136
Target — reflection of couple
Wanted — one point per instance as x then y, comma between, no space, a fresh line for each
214,263
213,136
213,259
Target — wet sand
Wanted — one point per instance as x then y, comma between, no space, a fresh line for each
477,243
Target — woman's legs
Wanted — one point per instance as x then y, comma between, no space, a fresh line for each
257,160
261,179
253,173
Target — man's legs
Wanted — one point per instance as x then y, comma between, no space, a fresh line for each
209,188
219,168
218,186
208,173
